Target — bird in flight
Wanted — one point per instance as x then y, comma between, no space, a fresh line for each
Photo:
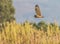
38,12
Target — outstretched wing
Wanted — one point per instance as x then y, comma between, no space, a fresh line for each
37,10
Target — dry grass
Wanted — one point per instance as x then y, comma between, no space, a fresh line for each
19,34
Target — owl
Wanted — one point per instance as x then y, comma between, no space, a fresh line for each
38,12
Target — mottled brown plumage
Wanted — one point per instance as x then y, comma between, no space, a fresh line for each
38,12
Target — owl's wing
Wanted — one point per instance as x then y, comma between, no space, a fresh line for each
37,10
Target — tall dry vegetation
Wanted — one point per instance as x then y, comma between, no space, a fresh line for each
27,33
13,33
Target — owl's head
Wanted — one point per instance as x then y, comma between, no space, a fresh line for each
36,5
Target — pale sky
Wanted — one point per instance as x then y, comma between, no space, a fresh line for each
50,9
